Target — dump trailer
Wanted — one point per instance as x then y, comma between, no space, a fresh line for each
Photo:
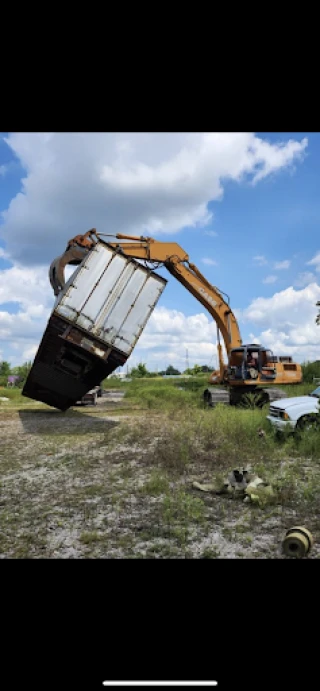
96,321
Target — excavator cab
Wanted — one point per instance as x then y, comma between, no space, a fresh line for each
251,363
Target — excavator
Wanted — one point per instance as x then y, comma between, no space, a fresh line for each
251,368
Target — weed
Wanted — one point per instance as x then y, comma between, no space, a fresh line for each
157,484
252,401
174,449
87,537
241,528
180,511
210,553
247,539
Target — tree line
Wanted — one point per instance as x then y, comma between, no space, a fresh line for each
142,371
310,371
21,371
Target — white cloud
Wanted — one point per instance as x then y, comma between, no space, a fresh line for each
29,352
129,182
3,170
25,326
270,279
287,322
210,262
304,278
277,156
260,260
31,293
282,265
170,333
283,307
315,262
284,322
29,287
211,233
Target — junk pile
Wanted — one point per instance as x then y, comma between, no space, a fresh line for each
244,483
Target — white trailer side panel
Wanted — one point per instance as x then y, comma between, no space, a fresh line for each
111,297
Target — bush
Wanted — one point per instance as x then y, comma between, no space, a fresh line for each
310,370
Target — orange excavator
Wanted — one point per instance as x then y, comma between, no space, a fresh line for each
251,368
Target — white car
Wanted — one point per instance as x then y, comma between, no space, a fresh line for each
299,411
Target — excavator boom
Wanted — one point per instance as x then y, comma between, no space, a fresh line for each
176,261
265,369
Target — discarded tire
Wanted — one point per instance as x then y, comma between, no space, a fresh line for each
297,542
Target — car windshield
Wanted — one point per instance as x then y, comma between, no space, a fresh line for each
316,392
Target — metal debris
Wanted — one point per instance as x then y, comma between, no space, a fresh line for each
297,542
259,492
242,482
204,488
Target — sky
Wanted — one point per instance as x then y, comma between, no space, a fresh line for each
244,206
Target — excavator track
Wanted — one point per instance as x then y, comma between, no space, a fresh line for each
213,396
275,394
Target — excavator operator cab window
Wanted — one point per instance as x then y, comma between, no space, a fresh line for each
252,358
236,361
268,361
236,358
267,357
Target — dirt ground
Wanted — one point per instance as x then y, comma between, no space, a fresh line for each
81,484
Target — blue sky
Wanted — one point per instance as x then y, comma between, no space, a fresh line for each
255,247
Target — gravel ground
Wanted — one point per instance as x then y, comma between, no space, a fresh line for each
80,485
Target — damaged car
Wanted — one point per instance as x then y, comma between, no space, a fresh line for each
298,412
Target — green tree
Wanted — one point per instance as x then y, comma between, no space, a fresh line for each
196,369
310,370
172,370
139,371
22,371
5,368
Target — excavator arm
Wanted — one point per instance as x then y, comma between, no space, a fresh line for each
239,375
176,261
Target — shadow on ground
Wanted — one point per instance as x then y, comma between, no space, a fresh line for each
56,422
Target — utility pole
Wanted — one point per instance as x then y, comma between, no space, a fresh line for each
187,359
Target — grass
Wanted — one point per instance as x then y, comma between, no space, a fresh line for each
164,394
161,395
156,485
117,481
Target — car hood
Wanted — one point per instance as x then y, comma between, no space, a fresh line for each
295,400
